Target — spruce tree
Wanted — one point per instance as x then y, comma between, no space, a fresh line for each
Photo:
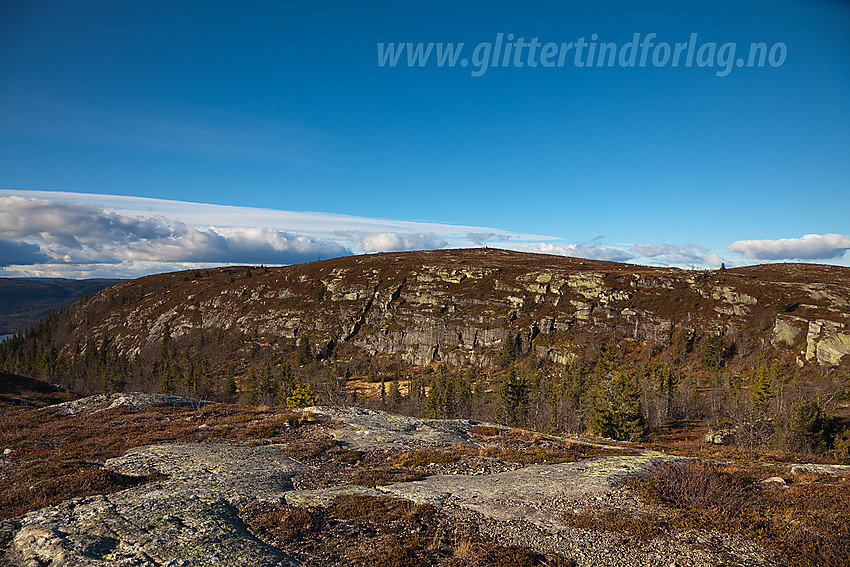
302,397
508,354
252,391
394,394
303,353
761,387
712,352
616,408
230,387
513,395
284,382
627,412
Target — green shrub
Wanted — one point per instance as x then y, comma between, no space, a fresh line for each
302,396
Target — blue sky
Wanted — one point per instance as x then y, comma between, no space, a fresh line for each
283,106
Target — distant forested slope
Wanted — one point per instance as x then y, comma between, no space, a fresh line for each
24,301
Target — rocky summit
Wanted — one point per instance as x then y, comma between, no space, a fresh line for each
459,307
348,486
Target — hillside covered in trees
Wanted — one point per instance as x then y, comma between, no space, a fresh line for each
23,302
757,355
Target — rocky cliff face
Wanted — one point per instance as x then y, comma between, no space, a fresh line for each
461,306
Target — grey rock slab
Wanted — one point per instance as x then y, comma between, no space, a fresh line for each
821,469
144,529
135,401
235,473
189,518
372,429
538,493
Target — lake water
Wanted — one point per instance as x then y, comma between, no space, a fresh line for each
4,337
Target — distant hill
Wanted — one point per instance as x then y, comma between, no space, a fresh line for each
556,343
24,301
459,307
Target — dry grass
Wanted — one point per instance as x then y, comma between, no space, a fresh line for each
381,532
285,524
698,449
354,529
806,523
348,456
425,457
59,457
530,448
311,449
486,430
485,555
384,511
698,485
382,476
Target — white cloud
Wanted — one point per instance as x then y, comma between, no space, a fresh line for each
75,226
317,224
480,238
651,249
237,245
808,247
83,234
394,241
589,251
691,255
77,235
685,256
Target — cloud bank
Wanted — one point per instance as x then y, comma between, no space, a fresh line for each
54,234
85,235
808,247
394,241
15,252
589,251
686,256
479,238
75,226
36,231
679,255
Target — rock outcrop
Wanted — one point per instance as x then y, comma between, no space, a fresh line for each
461,306
133,401
190,518
826,343
195,515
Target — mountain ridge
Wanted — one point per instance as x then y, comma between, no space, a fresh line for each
379,302
544,341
